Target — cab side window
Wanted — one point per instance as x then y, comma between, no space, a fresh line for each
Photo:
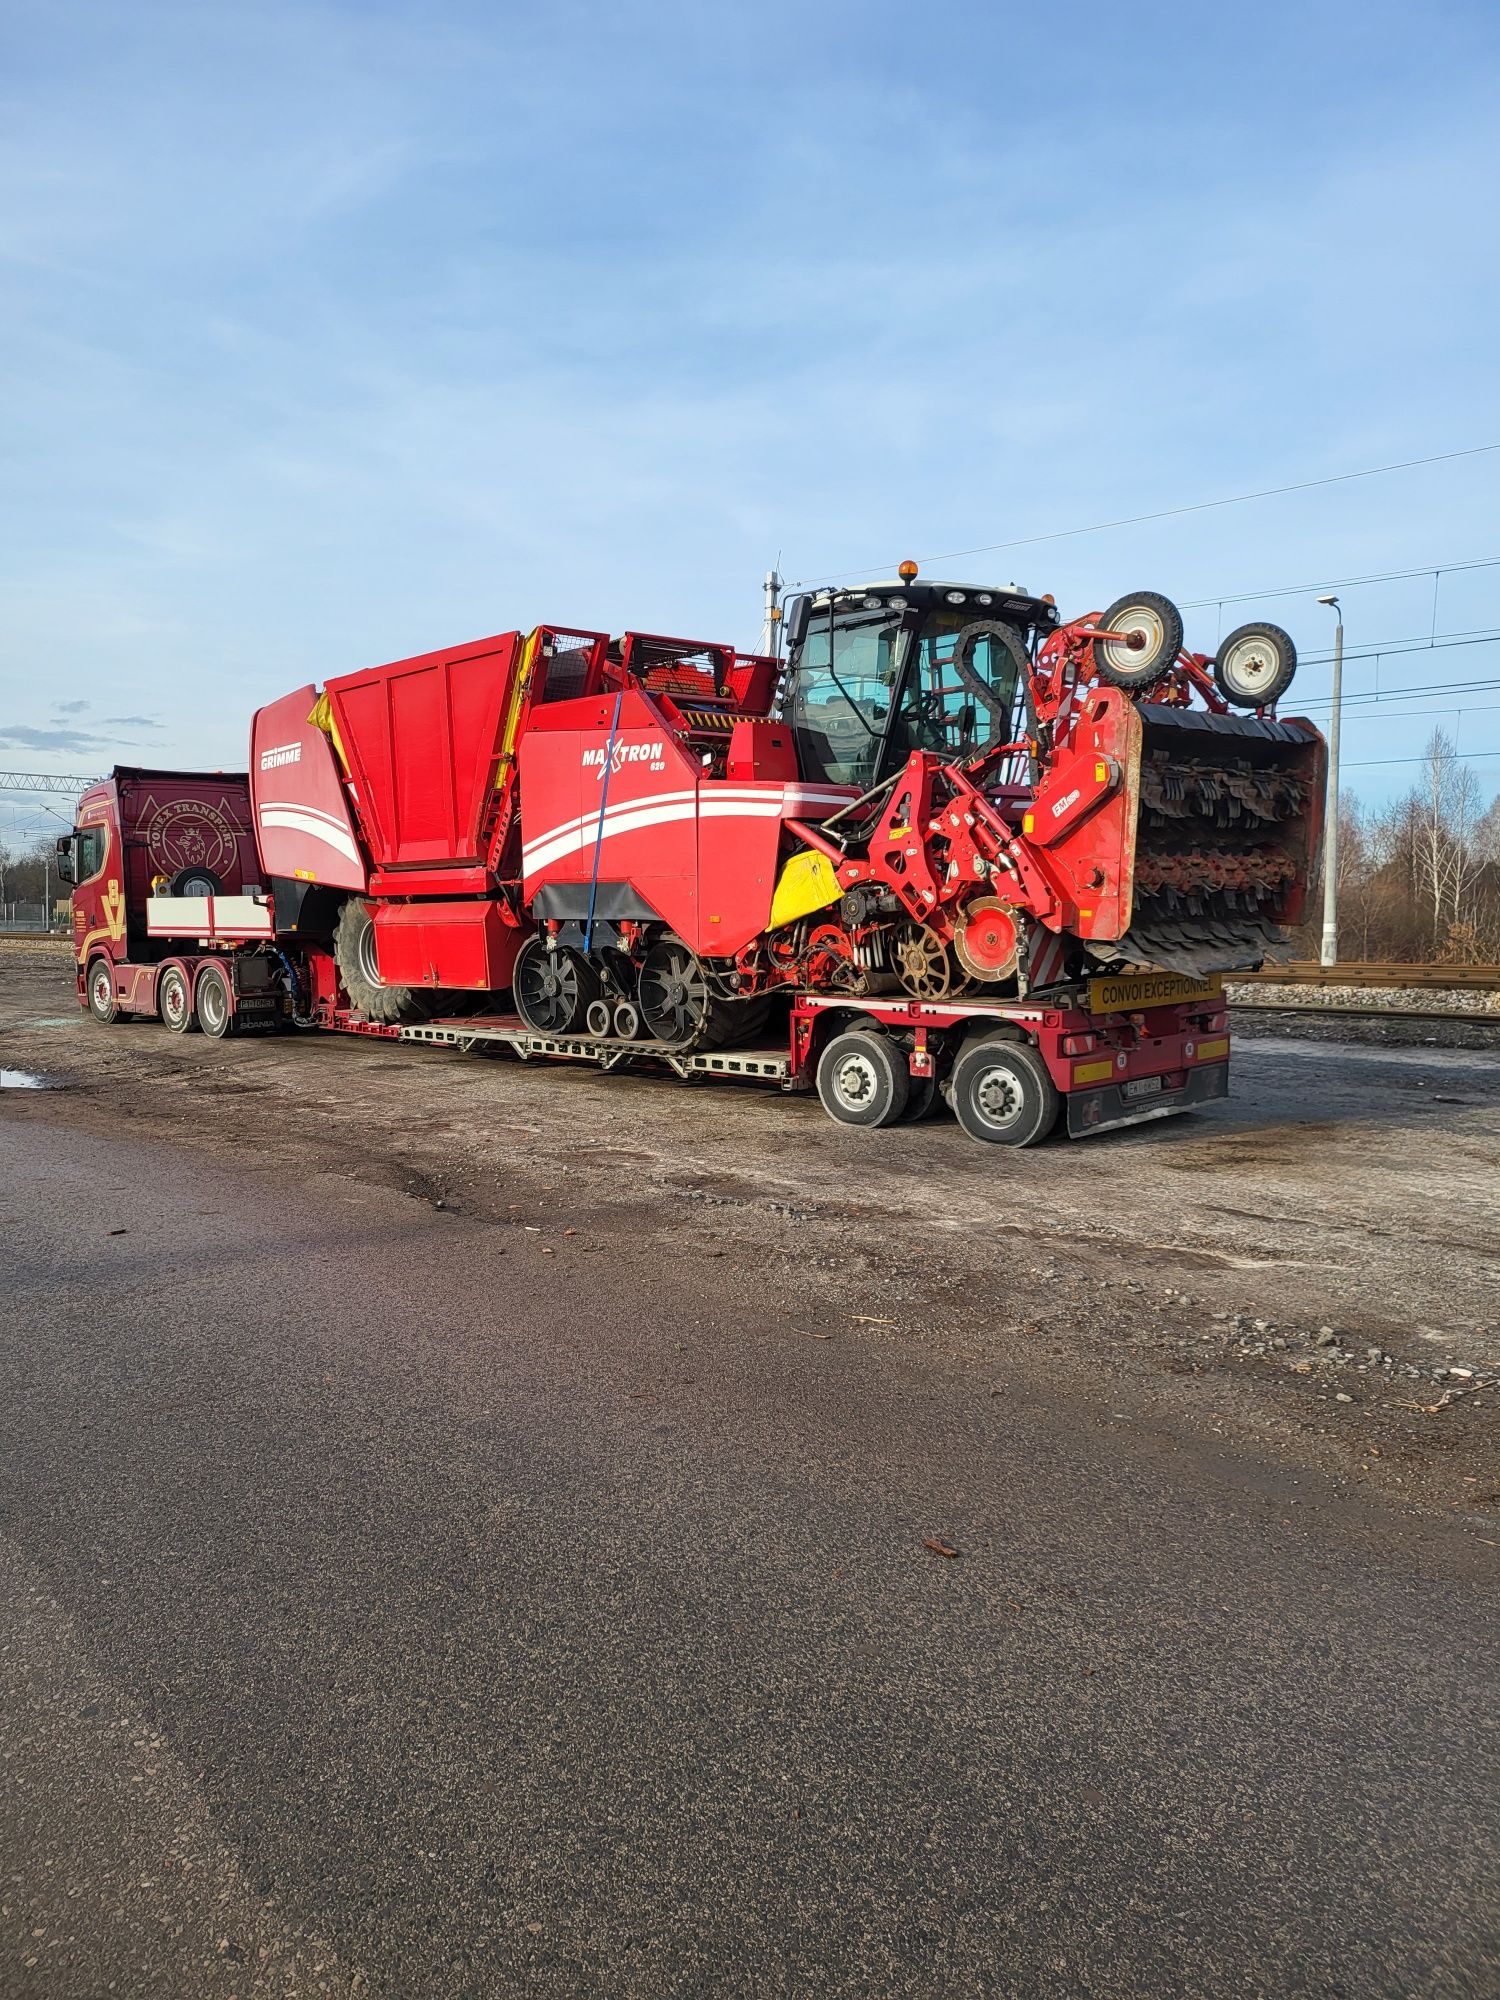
88,853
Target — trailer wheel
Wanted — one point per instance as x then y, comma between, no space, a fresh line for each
1001,1093
214,1003
103,1005
1254,665
174,1001
863,1079
1151,629
359,970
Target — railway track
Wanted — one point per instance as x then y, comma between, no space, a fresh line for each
1341,1011
1373,973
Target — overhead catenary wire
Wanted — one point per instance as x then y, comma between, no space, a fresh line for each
1172,513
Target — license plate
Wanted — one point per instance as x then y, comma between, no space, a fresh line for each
1141,1086
1132,992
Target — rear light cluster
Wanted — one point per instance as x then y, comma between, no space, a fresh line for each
1078,1045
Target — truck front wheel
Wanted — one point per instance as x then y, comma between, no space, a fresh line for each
102,1002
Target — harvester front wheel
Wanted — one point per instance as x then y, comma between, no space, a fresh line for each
1146,631
553,989
863,1079
359,970
1255,664
1001,1093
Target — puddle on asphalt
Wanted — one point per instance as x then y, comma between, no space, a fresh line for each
23,1079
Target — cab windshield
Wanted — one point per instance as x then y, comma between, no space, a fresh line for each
890,687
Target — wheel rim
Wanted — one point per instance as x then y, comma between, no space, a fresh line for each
673,993
547,989
1136,620
855,1081
368,965
212,1005
1250,665
103,991
998,1098
173,1000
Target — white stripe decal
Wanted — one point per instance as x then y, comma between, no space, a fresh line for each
296,819
715,801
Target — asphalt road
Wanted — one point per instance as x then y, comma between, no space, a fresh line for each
409,1602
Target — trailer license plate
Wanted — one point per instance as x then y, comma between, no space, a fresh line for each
1141,1086
1133,991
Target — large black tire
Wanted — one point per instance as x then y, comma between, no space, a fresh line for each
1255,665
863,1079
103,1005
359,972
1157,622
553,989
213,1002
174,1001
1001,1093
196,882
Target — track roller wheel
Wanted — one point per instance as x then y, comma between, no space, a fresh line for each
553,990
1001,1093
676,1002
1149,629
863,1079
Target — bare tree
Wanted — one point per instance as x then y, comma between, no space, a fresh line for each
1446,821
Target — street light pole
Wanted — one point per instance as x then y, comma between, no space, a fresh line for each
1330,951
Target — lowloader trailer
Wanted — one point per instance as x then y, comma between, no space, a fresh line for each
951,851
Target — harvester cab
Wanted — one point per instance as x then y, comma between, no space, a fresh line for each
878,672
1038,800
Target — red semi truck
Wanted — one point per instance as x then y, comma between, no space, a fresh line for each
948,850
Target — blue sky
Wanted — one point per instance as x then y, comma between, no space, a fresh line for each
334,332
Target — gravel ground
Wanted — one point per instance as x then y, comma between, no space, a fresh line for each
1310,1268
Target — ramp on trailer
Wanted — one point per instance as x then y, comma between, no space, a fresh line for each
480,1031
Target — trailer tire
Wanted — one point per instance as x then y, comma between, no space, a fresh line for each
213,1002
1002,1094
863,1079
1255,665
359,971
103,1005
1157,621
174,1001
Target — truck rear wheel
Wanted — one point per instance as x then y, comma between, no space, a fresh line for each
1001,1093
359,970
174,1001
103,1005
863,1079
214,1002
